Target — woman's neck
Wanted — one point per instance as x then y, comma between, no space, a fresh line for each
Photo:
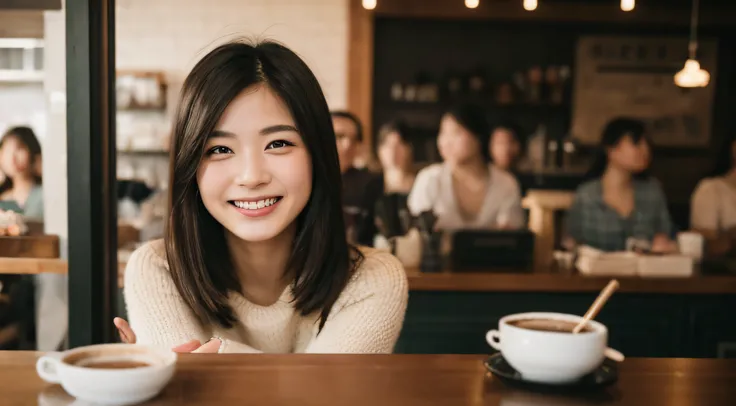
261,266
397,180
22,187
615,178
473,169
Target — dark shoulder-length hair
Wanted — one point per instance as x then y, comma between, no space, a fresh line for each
613,133
399,127
200,264
473,118
724,158
28,140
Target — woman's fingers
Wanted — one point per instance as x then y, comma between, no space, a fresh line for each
210,347
188,346
126,333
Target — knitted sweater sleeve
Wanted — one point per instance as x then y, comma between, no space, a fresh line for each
368,316
157,313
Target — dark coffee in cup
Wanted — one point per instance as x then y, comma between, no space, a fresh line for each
122,364
556,326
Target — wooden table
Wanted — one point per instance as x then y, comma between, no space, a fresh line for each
404,380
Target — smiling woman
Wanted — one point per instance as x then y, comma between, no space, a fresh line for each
255,257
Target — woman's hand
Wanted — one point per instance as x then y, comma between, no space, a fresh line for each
195,346
662,244
126,333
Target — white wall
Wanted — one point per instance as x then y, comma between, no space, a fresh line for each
51,291
171,35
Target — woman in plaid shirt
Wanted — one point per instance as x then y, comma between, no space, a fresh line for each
622,202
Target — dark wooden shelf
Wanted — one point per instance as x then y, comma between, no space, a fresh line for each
444,105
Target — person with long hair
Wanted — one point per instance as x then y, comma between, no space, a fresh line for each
20,163
465,191
255,256
20,192
713,204
622,201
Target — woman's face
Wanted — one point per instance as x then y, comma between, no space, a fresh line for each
256,175
633,157
504,148
455,143
15,159
394,153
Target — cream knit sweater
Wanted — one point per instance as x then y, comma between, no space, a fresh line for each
366,318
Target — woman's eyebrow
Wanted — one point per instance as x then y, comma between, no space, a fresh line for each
221,133
265,131
278,128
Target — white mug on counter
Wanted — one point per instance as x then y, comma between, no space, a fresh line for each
691,244
540,348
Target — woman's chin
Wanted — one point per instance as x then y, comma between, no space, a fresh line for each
253,234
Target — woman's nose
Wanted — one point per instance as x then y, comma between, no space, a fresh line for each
253,171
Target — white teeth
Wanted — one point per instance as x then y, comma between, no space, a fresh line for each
255,205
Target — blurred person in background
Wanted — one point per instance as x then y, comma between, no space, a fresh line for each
465,191
622,201
713,208
396,158
20,162
506,149
505,146
397,161
20,192
361,188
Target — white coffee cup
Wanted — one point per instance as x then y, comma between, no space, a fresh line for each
87,372
547,356
691,244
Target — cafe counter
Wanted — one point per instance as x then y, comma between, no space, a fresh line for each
450,312
550,280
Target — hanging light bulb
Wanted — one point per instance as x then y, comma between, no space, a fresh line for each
530,5
628,5
369,4
692,75
472,3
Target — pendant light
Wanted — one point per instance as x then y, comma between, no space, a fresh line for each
628,5
369,4
472,3
692,75
530,5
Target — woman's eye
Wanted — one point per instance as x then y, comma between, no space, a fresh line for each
279,144
219,150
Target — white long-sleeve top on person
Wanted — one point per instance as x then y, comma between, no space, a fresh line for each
713,205
366,318
501,205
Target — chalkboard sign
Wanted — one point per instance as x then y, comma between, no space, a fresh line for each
634,77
